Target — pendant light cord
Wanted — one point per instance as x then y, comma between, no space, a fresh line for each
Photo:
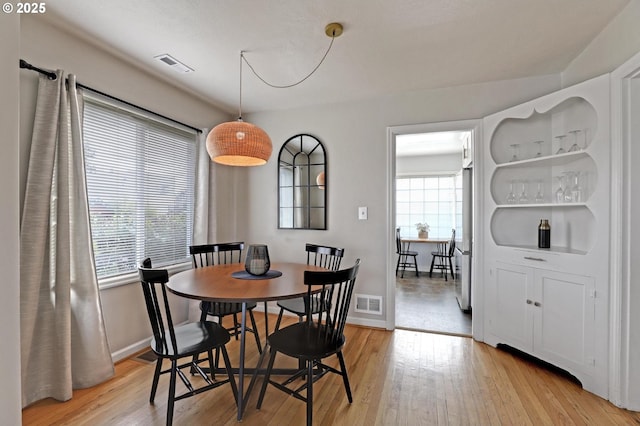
286,86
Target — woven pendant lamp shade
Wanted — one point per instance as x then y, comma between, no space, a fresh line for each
237,143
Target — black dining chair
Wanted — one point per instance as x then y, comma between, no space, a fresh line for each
316,338
318,255
221,254
404,256
443,257
184,341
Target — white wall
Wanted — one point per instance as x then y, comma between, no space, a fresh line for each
355,137
619,41
429,164
45,45
10,400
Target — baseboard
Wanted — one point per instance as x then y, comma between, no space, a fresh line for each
374,323
123,353
126,352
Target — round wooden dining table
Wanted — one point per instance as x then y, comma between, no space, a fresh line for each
217,284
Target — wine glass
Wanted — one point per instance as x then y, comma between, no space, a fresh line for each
560,191
568,180
576,189
539,150
511,197
523,198
540,194
586,138
515,147
575,147
561,144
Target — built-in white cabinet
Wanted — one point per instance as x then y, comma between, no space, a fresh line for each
549,159
548,314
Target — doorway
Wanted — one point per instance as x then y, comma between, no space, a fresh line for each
426,187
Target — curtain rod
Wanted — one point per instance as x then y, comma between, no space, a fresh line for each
52,76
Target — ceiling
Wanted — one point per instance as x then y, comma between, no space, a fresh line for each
387,48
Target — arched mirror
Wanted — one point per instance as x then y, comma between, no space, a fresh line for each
302,189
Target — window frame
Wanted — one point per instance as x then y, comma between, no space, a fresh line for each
155,124
410,230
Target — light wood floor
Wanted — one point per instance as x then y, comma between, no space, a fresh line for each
429,304
398,378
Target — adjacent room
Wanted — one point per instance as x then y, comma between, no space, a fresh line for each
434,216
320,212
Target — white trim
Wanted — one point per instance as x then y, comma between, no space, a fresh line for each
126,352
620,280
392,131
132,277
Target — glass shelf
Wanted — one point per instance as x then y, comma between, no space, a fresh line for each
549,160
540,205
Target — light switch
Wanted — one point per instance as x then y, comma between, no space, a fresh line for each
362,213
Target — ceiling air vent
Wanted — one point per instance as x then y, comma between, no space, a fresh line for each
173,63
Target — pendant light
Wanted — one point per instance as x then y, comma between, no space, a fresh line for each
238,143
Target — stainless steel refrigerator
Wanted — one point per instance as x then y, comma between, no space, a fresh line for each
464,239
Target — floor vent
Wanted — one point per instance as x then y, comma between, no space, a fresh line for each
368,304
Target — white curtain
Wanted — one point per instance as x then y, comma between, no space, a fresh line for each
201,224
63,340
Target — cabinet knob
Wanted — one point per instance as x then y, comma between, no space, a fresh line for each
537,304
529,301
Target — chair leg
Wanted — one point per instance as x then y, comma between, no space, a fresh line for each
309,393
345,377
235,325
282,312
445,269
404,266
453,277
172,391
267,376
433,260
255,331
232,380
398,265
156,377
415,263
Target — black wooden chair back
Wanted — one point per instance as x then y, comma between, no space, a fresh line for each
153,283
324,256
398,242
452,243
216,254
223,254
335,296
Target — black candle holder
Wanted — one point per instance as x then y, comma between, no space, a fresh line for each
257,260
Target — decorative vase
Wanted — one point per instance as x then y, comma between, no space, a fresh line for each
423,235
257,260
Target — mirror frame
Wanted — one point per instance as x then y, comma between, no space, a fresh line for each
310,148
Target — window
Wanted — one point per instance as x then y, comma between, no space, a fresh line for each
430,199
140,182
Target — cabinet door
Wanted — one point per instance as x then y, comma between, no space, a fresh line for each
509,314
564,319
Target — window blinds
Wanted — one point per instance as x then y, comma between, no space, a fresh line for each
140,182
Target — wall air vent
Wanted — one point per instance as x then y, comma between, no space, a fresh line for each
173,63
368,304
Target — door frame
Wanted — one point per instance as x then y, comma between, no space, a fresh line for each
475,126
624,389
